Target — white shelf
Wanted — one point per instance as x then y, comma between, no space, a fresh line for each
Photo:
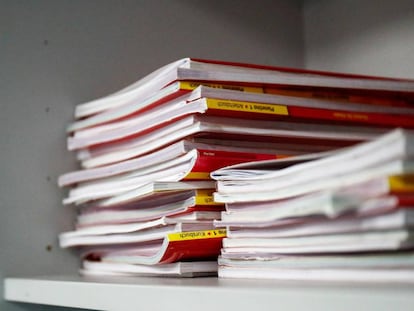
205,294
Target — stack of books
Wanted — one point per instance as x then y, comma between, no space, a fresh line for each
144,191
347,215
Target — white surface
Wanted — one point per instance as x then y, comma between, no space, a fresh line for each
206,294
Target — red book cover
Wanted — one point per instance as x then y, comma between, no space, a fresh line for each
198,245
211,160
268,111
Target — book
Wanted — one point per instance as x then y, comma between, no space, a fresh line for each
208,158
242,74
176,269
224,102
398,143
272,191
172,102
358,267
148,209
180,246
377,260
213,127
70,239
388,155
396,217
184,164
352,275
389,240
164,100
269,108
171,171
397,185
190,217
151,192
378,195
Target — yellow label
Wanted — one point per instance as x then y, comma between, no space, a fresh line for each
197,235
191,85
234,105
401,183
205,197
198,175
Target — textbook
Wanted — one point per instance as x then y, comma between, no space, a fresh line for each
189,69
148,209
390,154
136,236
176,269
120,215
180,246
400,186
381,220
377,260
174,170
152,192
243,103
396,143
271,190
354,275
195,164
163,101
190,218
235,126
242,110
228,128
247,105
380,194
389,240
208,157
200,245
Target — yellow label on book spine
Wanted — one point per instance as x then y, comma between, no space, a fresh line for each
205,197
401,183
197,235
234,105
191,85
198,175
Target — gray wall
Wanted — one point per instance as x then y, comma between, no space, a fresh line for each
55,54
360,36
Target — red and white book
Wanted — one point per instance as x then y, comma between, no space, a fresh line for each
199,245
201,70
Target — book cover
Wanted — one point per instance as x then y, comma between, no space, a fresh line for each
245,74
180,246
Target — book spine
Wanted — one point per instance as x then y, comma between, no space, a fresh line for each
205,197
197,235
194,246
401,183
342,96
350,116
269,111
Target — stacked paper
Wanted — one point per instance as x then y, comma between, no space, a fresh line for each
344,216
144,192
